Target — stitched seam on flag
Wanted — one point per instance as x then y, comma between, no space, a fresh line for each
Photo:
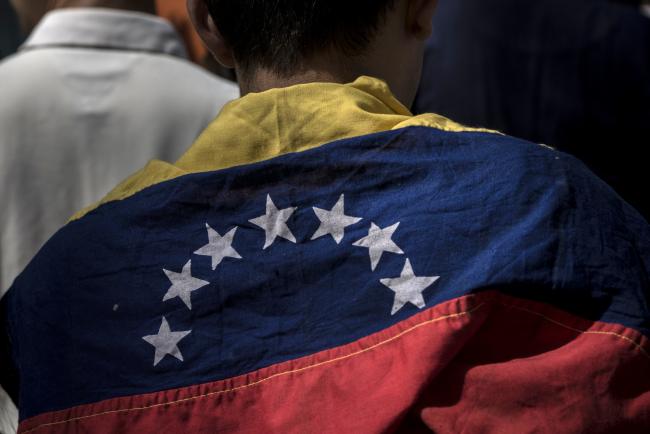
590,332
326,362
263,380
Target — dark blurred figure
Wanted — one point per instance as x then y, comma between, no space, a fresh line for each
571,74
9,30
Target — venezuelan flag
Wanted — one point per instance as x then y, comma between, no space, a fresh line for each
364,271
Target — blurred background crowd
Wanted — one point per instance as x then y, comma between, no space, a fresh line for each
89,96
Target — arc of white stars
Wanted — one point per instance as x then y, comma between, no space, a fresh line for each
408,288
219,247
166,342
183,284
379,241
334,222
274,223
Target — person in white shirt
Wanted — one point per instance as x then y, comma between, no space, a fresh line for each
94,93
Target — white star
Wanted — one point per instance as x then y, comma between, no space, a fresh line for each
274,223
379,241
408,288
183,284
219,247
334,222
166,342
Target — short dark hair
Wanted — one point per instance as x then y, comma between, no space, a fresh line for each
280,34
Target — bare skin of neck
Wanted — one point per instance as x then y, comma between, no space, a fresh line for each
146,6
323,69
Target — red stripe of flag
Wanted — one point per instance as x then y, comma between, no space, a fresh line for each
482,363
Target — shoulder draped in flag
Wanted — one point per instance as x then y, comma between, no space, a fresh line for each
415,279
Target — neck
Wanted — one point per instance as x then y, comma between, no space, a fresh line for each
323,69
264,80
326,68
146,6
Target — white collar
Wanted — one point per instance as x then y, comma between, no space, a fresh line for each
106,29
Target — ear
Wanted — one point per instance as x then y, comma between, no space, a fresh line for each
419,18
209,33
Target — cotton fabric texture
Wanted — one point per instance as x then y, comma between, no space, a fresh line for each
322,261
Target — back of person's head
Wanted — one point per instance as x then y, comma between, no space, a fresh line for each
279,34
276,43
